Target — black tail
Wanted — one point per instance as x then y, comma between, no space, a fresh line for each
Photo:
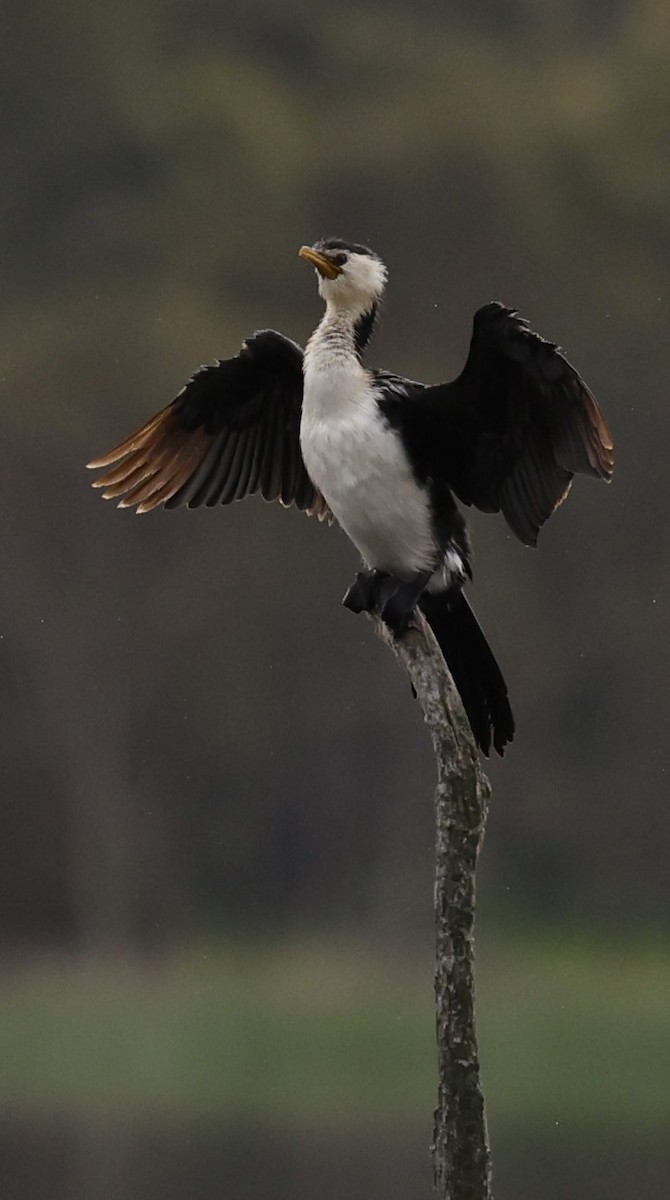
473,667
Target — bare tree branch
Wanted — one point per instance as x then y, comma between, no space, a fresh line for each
461,1158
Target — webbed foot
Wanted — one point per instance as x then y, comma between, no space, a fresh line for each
395,600
400,604
363,595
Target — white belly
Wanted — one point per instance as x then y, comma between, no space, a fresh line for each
358,464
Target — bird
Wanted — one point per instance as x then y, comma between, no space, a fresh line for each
384,456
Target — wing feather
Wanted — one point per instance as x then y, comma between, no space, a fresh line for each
230,485
511,431
198,487
271,480
132,443
256,459
233,430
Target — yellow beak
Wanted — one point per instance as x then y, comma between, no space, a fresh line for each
324,265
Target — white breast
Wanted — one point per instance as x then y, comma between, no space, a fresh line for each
358,463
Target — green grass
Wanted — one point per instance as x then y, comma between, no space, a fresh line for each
299,1033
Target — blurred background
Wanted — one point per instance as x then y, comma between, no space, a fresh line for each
216,850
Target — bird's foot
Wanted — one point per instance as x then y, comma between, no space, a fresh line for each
363,594
396,615
396,612
393,599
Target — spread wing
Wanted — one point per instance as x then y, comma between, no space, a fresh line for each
511,431
232,431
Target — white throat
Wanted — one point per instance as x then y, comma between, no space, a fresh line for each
336,383
333,342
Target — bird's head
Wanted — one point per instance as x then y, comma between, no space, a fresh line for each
351,277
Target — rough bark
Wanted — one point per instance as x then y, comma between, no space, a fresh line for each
461,1159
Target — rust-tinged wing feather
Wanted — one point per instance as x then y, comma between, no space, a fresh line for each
128,445
232,431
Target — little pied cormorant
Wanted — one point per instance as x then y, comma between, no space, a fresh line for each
383,455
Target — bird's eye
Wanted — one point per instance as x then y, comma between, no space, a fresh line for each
339,259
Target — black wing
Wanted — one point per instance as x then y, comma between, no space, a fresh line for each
511,431
232,431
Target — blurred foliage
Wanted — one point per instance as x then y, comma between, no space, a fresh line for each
194,732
